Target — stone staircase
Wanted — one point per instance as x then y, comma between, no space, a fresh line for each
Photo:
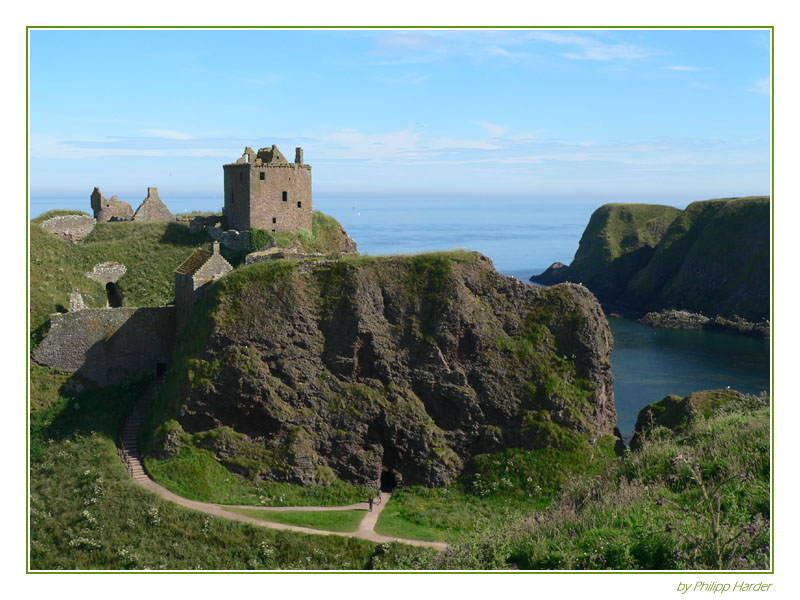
128,447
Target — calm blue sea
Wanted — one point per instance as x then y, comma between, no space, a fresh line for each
523,236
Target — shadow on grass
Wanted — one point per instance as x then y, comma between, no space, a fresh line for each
100,410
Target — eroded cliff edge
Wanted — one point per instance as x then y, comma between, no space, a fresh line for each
404,365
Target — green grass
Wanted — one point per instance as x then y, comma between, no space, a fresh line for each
196,474
86,513
694,499
344,521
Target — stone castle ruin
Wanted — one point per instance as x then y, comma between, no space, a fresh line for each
263,190
112,209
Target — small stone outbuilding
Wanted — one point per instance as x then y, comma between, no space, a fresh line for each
193,277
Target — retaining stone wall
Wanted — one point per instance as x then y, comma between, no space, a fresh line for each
106,345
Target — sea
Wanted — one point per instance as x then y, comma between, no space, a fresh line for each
523,235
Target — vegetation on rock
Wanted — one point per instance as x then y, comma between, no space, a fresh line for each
711,258
406,367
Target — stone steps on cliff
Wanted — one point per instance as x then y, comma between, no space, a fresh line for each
128,439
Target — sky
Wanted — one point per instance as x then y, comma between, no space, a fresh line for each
561,112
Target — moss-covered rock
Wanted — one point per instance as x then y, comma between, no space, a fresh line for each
409,365
675,413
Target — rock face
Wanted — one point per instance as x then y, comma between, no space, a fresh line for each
399,367
711,258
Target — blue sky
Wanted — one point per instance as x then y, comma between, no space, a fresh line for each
628,113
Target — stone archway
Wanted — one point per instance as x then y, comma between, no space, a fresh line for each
114,294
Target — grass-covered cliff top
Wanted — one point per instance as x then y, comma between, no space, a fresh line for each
616,229
150,251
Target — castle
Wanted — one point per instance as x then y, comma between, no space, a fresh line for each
263,190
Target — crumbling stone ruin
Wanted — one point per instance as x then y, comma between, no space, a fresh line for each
110,209
200,223
108,274
263,190
72,228
152,208
76,301
192,278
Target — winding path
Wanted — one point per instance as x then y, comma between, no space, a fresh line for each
131,458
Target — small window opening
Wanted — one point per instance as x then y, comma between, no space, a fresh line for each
285,196
274,219
273,231
241,175
161,369
261,175
299,204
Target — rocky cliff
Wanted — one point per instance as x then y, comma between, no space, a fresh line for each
711,258
398,367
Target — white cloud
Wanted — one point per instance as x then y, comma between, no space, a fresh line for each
682,68
494,130
590,48
169,134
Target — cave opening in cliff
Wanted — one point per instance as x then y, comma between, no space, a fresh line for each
388,481
114,295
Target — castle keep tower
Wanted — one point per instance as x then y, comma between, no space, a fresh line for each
265,191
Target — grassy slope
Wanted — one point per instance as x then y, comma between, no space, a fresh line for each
617,242
727,241
329,520
87,514
150,251
697,499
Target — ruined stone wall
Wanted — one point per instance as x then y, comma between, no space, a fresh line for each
106,345
109,209
72,228
237,194
184,299
235,240
268,209
153,209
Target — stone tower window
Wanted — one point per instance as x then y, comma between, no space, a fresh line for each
274,219
299,205
261,175
241,175
285,196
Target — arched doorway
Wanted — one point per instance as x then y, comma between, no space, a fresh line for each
388,481
114,295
